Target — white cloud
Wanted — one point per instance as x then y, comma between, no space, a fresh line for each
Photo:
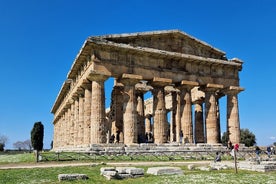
272,138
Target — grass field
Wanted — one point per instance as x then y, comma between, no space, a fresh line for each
50,175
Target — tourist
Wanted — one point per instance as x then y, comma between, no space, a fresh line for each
229,145
218,157
112,138
181,136
272,150
117,136
147,137
268,151
258,151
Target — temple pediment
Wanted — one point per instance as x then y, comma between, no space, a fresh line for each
168,40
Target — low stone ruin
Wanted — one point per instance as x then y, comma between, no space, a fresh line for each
62,177
165,171
121,172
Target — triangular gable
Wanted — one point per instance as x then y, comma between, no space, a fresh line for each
168,40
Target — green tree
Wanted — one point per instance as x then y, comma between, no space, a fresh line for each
247,138
37,135
3,141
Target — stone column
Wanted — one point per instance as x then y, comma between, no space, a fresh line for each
186,114
212,129
56,138
233,122
68,123
62,130
178,117
117,99
87,114
173,118
98,116
148,123
81,120
76,121
72,124
159,110
140,117
130,108
199,127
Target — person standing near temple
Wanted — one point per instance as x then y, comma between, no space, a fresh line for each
181,136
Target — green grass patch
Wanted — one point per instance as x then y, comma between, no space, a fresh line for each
17,158
50,175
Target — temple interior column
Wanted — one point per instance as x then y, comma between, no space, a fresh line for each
199,126
98,116
116,117
140,117
212,129
173,118
233,122
130,132
148,127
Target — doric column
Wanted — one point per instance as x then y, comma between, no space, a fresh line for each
62,130
72,123
68,123
212,129
56,138
173,118
81,119
116,114
140,117
98,116
130,108
233,122
186,117
76,121
148,128
159,110
87,113
199,127
178,117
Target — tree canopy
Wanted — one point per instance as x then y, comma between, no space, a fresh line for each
37,135
3,141
247,138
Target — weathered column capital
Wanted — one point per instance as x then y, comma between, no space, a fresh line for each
160,82
232,90
130,79
211,87
187,84
98,76
86,84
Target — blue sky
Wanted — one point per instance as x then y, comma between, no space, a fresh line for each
40,39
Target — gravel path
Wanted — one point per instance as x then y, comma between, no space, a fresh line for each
60,164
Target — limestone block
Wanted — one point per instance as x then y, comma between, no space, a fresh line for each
165,171
62,177
135,171
191,166
107,169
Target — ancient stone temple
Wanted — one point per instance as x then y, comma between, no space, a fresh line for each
185,76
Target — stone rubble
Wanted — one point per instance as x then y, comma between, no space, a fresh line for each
165,171
121,172
62,177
